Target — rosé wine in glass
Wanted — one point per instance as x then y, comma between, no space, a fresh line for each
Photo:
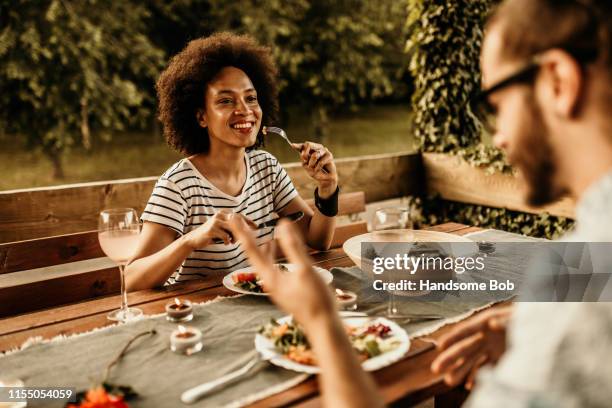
118,233
119,246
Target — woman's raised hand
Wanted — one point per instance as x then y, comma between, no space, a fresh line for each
314,158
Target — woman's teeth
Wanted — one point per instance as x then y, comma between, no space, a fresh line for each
242,125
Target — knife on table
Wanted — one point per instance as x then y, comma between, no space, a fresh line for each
296,216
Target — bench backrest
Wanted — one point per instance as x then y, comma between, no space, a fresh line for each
47,272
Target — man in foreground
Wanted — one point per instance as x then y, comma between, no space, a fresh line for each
547,73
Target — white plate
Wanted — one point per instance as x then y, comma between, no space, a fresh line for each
266,347
464,247
228,282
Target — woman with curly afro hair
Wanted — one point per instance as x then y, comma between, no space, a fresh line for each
214,98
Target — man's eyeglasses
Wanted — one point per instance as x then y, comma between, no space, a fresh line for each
482,108
584,53
486,113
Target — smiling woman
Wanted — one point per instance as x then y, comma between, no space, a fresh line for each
214,97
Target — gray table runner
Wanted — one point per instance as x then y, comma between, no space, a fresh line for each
160,376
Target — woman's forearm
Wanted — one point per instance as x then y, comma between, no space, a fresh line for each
343,382
153,270
321,227
320,231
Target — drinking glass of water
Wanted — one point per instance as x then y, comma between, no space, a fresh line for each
386,219
118,233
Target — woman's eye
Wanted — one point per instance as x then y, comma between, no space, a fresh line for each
251,98
225,101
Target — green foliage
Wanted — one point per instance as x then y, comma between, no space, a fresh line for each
434,210
444,44
330,54
71,68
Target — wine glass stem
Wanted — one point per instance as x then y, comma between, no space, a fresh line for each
391,307
124,302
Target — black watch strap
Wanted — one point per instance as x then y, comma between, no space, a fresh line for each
329,205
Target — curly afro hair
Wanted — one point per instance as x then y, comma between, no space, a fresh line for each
181,88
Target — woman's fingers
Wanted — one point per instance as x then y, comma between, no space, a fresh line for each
224,231
223,214
325,159
249,221
305,152
313,159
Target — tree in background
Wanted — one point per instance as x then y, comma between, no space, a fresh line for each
72,69
330,54
75,70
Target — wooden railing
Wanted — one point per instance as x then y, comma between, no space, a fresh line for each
43,212
455,180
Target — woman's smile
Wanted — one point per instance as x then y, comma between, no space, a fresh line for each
243,127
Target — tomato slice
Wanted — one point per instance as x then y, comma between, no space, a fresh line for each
244,277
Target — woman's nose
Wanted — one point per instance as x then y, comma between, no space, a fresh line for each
242,108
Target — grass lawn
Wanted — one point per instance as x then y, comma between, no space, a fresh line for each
372,130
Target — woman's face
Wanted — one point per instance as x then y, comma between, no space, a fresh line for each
231,112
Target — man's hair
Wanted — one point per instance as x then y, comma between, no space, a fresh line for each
181,88
581,27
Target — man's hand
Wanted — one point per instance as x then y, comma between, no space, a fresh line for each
473,343
301,293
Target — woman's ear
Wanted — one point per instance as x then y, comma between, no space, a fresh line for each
201,117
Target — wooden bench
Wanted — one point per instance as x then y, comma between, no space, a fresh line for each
46,272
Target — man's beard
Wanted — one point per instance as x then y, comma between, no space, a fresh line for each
534,157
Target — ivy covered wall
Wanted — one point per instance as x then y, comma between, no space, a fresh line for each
445,38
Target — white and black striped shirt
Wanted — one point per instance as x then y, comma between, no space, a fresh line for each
183,199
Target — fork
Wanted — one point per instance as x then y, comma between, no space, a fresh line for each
281,133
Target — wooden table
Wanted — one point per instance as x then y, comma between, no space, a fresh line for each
408,381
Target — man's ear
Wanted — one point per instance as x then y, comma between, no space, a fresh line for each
201,117
565,78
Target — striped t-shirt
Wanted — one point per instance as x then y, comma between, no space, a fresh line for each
183,199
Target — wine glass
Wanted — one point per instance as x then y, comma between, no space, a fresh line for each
385,219
118,233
